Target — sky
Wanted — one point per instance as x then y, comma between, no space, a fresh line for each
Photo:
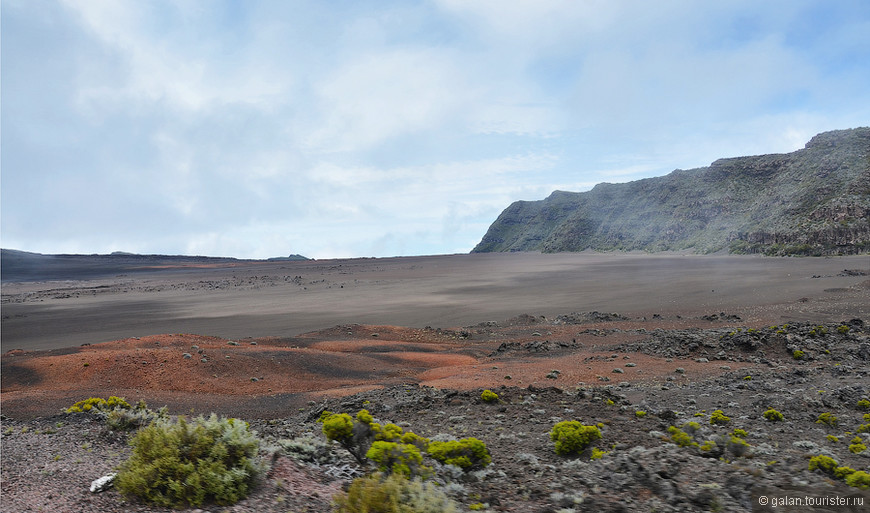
256,129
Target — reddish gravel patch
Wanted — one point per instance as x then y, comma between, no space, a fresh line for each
188,371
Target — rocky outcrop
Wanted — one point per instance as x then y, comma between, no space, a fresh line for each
812,201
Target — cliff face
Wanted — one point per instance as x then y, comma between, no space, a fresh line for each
813,201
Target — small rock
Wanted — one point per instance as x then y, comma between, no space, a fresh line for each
631,364
187,356
103,483
617,371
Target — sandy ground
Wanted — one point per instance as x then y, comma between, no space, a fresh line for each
284,299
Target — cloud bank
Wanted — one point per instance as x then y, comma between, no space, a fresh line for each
258,129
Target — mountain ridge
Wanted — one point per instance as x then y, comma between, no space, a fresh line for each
18,265
813,201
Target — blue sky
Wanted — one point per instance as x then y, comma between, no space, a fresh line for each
346,128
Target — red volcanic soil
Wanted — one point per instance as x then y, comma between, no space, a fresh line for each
266,377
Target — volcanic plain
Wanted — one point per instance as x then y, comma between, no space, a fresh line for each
415,337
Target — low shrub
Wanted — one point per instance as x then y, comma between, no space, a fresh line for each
738,446
773,415
823,463
857,446
680,437
572,437
467,454
842,472
798,354
118,413
859,479
397,458
181,464
99,404
489,396
827,418
359,435
864,404
393,494
719,417
691,427
709,448
640,414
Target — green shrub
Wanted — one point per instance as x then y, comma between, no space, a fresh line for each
572,437
738,446
823,463
832,439
414,439
842,472
859,479
467,454
393,494
708,447
718,417
863,428
181,464
827,418
740,433
597,454
857,447
489,396
118,413
358,436
773,415
691,427
338,427
126,420
396,458
864,404
680,437
798,354
99,404
387,432
640,414
842,329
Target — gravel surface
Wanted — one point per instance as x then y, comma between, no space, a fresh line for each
49,462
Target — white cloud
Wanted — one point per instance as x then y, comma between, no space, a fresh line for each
379,96
358,129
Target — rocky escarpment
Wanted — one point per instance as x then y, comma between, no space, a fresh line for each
812,201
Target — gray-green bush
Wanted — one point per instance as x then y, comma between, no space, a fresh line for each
180,464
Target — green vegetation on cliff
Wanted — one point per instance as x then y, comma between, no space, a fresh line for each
813,201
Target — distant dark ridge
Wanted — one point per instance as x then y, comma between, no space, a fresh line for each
16,265
814,201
